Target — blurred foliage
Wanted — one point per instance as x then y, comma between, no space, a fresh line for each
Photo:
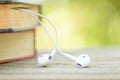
84,23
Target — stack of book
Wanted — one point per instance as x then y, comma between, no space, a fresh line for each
16,45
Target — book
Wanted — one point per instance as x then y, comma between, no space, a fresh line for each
17,45
16,18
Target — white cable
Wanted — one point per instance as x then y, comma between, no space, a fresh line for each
43,26
35,13
25,28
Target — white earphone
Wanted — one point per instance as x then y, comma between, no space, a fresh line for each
44,59
81,61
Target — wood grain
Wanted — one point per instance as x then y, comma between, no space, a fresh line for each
105,66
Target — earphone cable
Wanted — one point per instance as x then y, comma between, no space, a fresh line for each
43,26
55,43
44,17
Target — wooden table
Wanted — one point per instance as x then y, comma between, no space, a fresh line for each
105,66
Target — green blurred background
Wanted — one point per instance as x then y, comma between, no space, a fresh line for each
82,23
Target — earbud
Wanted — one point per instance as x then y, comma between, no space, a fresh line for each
43,60
82,61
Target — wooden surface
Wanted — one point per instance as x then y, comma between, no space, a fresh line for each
105,66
